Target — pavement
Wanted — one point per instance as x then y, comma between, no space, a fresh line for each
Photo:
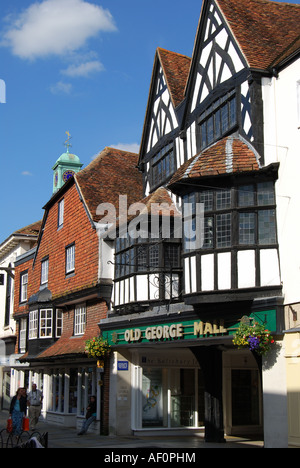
115,446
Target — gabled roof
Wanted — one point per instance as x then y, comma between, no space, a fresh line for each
267,32
29,232
176,69
112,173
230,155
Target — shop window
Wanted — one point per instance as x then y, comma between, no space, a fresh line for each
172,398
152,390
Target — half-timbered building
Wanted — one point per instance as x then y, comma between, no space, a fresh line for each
219,138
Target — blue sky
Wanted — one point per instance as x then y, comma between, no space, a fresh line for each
82,66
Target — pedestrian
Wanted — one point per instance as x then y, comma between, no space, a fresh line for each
34,402
90,417
17,411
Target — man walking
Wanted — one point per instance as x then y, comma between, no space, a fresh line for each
34,401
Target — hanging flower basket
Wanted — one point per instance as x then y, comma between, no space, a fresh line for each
97,347
254,337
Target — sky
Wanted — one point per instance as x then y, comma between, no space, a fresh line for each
82,66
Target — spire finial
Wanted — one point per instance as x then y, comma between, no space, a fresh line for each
67,142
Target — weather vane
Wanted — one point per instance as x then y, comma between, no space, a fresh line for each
67,142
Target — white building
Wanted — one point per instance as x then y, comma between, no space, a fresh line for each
16,244
221,129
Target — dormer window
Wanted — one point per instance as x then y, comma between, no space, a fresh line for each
218,120
163,165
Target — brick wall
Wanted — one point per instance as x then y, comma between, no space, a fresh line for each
76,229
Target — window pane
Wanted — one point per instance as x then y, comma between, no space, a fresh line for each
224,118
142,258
24,283
45,269
210,130
208,242
266,227
232,112
218,124
33,325
223,199
45,323
61,212
224,230
154,256
207,197
171,256
70,260
247,228
203,135
80,319
265,194
246,195
59,323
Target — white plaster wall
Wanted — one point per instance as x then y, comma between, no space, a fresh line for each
275,398
282,144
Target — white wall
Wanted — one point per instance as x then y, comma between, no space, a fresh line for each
275,398
282,144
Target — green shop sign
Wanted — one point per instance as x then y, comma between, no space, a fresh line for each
185,330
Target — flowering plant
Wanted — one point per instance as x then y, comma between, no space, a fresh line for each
97,347
255,337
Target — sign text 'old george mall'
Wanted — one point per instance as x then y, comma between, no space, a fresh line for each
169,332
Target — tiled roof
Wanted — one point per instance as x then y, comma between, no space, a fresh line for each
229,155
112,173
268,32
176,68
30,230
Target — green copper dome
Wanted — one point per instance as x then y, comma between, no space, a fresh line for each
65,167
68,158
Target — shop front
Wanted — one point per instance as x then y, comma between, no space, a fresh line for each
166,377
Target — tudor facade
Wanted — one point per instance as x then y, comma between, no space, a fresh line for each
210,137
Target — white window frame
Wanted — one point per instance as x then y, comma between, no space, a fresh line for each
23,335
46,319
70,259
59,323
33,325
23,286
61,209
79,319
45,271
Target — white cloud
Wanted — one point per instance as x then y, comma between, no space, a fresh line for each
56,27
61,88
130,147
26,173
83,69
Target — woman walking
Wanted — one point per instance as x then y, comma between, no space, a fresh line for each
17,410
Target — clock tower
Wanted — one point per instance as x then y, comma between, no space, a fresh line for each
65,167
